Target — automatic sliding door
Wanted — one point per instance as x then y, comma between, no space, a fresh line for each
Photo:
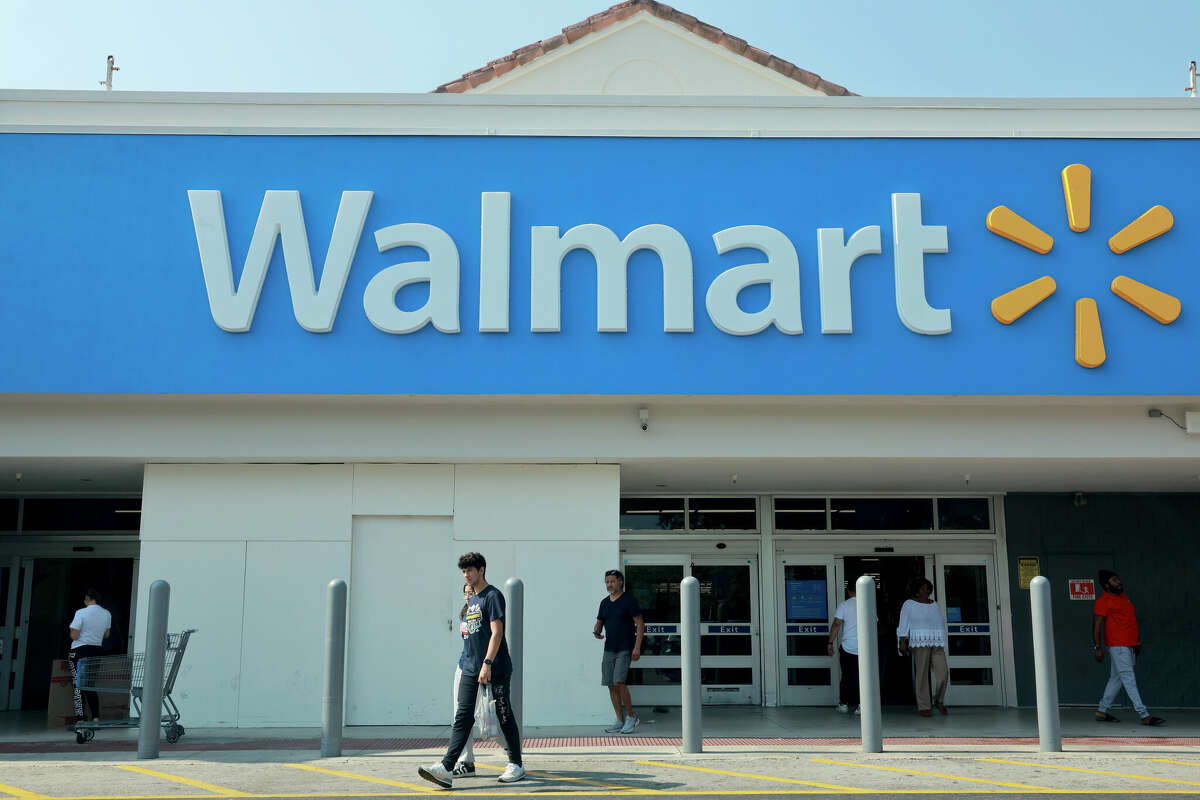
966,592
807,600
654,679
729,660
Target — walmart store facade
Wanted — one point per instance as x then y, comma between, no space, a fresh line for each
350,336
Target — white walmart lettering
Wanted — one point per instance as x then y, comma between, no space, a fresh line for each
316,307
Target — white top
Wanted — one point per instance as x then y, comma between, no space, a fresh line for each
922,624
91,622
847,612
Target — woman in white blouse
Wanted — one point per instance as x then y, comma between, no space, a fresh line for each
923,630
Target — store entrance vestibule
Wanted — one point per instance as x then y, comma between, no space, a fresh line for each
893,576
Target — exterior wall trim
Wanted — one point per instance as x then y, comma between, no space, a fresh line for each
303,114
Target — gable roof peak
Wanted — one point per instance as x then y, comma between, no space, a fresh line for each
622,11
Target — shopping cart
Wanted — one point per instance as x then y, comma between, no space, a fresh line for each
127,675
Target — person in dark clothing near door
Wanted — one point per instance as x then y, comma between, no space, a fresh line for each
845,621
1114,624
620,618
484,662
90,626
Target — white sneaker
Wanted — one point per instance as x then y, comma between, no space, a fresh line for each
843,708
512,773
463,769
436,773
615,727
858,711
631,722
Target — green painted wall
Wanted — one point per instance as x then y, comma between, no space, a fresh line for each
1153,542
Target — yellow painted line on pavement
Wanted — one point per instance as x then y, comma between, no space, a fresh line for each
224,791
937,775
369,779
1169,761
1092,771
663,792
832,786
586,781
23,794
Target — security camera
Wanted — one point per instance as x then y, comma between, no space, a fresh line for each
644,416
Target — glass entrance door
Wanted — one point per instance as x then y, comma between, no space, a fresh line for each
808,598
729,635
729,660
966,591
15,577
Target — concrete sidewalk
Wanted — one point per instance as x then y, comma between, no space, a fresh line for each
724,727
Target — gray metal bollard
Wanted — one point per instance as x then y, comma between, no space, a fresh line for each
868,666
514,634
689,612
150,726
1045,670
333,694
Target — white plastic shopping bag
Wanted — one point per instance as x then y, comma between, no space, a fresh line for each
486,721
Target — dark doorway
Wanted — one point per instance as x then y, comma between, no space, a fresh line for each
58,588
892,575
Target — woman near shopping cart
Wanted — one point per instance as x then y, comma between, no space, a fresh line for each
89,628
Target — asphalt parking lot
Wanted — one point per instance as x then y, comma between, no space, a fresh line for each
709,775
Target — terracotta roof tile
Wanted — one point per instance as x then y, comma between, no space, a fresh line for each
624,10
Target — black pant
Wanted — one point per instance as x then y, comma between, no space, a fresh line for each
91,698
848,690
464,718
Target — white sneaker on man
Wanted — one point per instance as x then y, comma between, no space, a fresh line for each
436,773
843,708
463,769
512,773
631,722
858,711
615,727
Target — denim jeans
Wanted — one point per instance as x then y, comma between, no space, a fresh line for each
464,718
1120,674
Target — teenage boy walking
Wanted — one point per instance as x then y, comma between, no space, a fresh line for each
620,618
484,661
1114,624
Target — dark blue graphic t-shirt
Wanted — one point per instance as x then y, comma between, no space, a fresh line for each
477,634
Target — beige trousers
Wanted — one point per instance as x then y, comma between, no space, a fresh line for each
925,658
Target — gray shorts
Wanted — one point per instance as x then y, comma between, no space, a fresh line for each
615,667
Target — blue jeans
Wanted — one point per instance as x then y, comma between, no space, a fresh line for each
1120,673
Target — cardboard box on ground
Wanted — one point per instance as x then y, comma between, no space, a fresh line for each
60,709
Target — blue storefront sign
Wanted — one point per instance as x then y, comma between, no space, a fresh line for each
575,265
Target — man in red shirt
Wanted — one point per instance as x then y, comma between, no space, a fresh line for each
1114,624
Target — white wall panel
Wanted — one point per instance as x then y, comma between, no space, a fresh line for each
246,501
283,629
403,640
206,581
514,502
564,584
404,489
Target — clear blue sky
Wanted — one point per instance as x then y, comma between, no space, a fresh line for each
949,48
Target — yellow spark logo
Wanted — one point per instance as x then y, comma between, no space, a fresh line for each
1077,191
